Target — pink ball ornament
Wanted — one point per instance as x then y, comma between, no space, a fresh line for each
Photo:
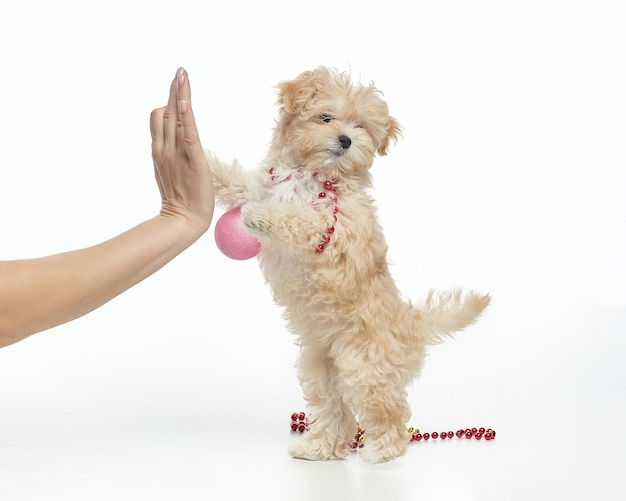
233,238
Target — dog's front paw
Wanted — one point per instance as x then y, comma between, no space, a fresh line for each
256,217
218,169
317,448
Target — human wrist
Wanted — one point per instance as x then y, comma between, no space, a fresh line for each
187,227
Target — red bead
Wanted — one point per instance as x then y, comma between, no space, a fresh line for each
335,210
330,230
474,431
426,436
272,170
301,416
294,416
320,248
443,435
478,436
328,185
481,430
321,194
435,435
418,436
294,426
468,434
460,433
450,434
325,239
301,427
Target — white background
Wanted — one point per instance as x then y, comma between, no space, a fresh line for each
510,178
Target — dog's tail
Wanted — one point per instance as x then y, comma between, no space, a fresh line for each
447,312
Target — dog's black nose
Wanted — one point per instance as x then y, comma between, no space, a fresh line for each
344,141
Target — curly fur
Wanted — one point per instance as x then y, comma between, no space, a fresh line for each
360,344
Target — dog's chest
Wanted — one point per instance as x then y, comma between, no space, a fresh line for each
312,197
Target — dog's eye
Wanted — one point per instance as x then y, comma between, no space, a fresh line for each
358,126
325,117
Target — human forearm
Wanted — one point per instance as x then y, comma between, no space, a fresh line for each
37,294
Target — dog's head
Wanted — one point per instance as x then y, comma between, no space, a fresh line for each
327,123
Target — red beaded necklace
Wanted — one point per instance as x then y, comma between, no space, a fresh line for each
300,423
329,192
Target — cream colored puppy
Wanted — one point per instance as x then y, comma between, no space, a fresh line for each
324,255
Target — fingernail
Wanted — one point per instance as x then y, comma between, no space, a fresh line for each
183,106
180,77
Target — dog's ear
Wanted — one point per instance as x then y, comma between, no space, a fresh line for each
393,133
297,95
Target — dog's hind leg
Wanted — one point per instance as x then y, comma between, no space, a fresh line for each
332,424
383,412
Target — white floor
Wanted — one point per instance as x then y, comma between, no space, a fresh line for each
127,430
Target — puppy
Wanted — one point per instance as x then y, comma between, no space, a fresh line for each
324,255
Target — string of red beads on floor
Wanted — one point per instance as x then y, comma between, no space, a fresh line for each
300,423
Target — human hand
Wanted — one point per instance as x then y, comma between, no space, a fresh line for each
181,169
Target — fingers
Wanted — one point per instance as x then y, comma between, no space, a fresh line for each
184,100
156,129
191,138
173,127
178,112
163,123
170,115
